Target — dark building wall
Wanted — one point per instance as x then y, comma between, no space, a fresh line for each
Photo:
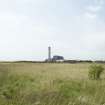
56,57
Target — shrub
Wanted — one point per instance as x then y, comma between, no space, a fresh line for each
95,72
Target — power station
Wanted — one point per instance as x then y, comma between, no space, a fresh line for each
55,58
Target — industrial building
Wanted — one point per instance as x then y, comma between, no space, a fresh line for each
55,58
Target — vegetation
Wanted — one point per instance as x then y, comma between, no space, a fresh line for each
49,84
95,71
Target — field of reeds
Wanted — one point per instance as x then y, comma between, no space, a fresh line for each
49,84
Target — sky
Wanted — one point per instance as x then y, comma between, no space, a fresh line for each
74,29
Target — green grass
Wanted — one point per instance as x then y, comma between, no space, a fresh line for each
49,84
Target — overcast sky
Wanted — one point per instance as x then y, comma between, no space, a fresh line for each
74,29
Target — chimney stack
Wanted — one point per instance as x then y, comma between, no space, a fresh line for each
49,53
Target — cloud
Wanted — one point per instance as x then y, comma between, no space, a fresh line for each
28,27
92,10
90,15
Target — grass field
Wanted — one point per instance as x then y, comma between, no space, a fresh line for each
49,84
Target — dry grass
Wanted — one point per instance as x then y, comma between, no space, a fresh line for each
75,71
50,84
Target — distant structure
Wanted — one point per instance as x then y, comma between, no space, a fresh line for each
58,58
49,53
55,58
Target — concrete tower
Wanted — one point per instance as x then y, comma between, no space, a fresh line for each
49,53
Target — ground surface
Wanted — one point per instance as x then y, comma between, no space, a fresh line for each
49,84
